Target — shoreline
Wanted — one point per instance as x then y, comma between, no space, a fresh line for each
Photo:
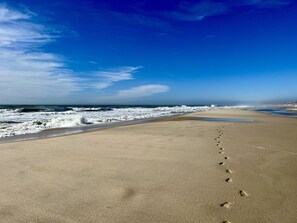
20,120
66,131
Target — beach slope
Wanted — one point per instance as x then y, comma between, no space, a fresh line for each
178,169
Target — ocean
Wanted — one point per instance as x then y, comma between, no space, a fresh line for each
27,119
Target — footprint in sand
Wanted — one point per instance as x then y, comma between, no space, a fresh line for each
226,205
226,222
128,193
227,158
229,180
221,163
221,149
221,152
229,171
243,193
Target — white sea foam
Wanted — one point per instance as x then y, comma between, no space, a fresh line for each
33,122
68,121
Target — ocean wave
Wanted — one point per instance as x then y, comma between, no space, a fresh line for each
37,125
32,110
68,121
33,122
9,122
43,109
90,109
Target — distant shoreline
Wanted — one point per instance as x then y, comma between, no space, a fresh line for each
58,132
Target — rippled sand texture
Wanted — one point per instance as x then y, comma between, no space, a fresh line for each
174,170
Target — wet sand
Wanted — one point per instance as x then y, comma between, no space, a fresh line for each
176,169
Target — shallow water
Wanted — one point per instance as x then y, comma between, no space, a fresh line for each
222,119
278,111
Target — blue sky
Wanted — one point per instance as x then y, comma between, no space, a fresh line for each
148,51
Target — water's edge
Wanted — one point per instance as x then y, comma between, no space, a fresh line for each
276,112
59,132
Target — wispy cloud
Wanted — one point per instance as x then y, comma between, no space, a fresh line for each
7,15
109,77
17,32
29,74
25,71
142,91
198,11
268,3
189,11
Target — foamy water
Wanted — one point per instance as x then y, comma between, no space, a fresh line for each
20,121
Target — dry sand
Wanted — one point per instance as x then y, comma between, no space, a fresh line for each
174,170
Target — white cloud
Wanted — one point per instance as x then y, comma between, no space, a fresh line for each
28,74
142,91
16,30
206,8
109,77
10,15
198,11
268,3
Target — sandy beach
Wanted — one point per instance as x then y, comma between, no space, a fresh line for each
172,170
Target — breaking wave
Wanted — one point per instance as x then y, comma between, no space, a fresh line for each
20,121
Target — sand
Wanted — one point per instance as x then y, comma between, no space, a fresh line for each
163,171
